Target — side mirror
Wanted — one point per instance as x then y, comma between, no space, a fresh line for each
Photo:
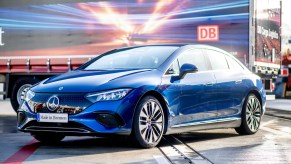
187,68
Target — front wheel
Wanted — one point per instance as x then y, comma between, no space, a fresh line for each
251,115
48,137
148,123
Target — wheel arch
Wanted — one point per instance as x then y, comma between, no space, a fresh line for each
258,95
244,128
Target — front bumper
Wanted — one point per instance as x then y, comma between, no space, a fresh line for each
107,117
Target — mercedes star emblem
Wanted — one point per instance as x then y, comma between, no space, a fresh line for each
53,103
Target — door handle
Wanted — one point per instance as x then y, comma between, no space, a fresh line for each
238,81
209,83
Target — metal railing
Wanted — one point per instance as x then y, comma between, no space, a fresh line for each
48,62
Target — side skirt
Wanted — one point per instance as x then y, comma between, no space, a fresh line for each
205,125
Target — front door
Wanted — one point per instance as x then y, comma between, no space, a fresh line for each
197,93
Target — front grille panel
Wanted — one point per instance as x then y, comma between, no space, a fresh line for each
68,103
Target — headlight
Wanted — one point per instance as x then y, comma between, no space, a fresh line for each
107,95
29,95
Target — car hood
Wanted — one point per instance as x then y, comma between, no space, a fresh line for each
83,81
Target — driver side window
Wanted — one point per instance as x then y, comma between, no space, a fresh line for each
195,57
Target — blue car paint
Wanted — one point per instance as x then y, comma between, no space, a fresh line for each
91,81
186,100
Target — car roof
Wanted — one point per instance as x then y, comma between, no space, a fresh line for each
180,45
174,45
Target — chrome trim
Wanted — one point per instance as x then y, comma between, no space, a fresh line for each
206,122
61,108
27,120
55,129
190,73
206,125
53,103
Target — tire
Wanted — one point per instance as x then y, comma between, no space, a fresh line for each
148,123
251,116
19,89
48,137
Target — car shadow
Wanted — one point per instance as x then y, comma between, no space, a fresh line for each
93,142
86,146
204,135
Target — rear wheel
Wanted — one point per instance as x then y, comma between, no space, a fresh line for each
19,90
251,116
148,124
48,137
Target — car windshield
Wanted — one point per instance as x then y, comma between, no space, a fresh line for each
148,57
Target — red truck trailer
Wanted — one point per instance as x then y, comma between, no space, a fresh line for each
19,73
40,39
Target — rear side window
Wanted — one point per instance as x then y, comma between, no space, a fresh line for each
234,65
195,57
217,60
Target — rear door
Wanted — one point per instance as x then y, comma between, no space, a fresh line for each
228,87
239,82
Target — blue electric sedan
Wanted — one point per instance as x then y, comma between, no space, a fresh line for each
145,92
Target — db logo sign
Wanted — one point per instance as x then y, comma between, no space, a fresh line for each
208,33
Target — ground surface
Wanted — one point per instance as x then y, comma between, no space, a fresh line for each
272,144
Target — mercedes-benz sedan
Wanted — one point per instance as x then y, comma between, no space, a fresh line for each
145,92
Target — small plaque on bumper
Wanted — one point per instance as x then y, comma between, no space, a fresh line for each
52,117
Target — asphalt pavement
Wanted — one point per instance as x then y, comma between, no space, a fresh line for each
6,108
279,108
271,144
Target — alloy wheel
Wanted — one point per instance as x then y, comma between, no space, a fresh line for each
253,113
22,91
151,122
